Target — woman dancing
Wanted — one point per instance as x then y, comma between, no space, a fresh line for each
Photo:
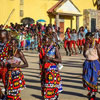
50,77
91,66
5,49
16,79
67,42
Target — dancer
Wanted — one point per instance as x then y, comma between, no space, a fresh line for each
81,37
51,80
16,78
5,49
91,66
74,38
67,42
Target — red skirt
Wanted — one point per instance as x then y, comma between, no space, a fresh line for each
51,82
16,83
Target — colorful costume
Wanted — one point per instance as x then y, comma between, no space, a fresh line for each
51,80
91,68
4,55
67,41
15,82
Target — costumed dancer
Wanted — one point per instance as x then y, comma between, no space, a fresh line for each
74,38
81,39
50,79
91,66
67,42
5,49
16,81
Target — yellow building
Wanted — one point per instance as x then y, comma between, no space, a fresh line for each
65,13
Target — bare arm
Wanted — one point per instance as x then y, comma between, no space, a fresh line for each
98,50
55,36
22,57
85,49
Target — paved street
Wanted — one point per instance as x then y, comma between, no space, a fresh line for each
71,76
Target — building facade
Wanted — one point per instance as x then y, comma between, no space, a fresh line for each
64,13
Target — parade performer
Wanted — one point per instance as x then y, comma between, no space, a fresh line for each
5,49
81,39
67,42
16,78
74,38
50,79
91,66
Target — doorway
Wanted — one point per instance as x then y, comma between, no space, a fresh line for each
93,25
62,27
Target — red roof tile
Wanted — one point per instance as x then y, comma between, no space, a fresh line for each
55,6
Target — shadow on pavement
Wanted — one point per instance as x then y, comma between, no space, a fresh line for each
37,96
67,77
73,94
33,87
74,64
70,73
31,56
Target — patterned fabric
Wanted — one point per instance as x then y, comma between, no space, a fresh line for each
4,55
41,55
16,83
3,72
90,74
15,97
50,79
4,51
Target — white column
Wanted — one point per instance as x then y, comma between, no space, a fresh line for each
57,20
77,23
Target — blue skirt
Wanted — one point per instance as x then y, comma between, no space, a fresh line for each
90,73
